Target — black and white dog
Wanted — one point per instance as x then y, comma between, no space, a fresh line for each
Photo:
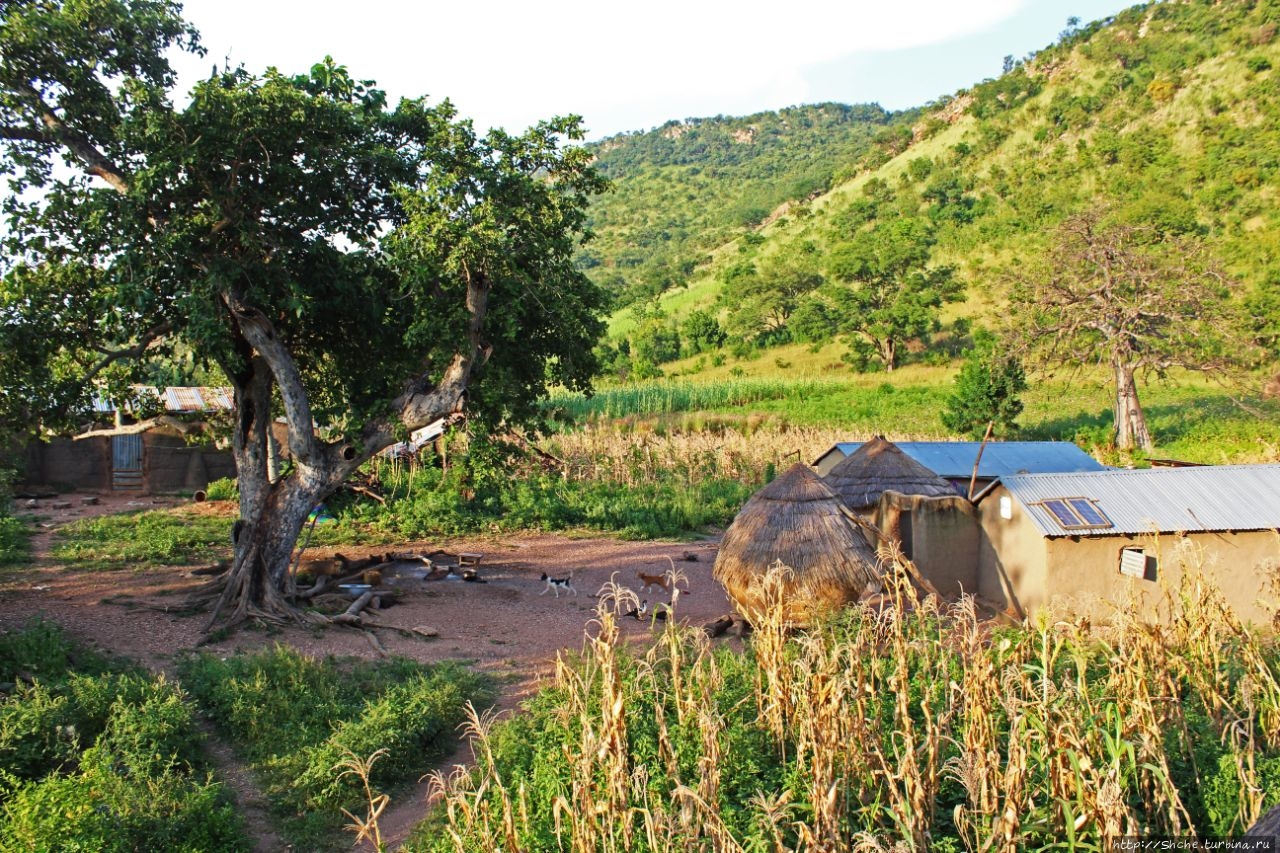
557,584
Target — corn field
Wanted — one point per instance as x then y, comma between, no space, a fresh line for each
915,727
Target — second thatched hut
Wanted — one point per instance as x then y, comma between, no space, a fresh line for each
797,521
879,466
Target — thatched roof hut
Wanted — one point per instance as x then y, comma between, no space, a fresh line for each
796,520
879,466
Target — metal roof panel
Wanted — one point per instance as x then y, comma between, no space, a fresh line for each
954,459
1158,500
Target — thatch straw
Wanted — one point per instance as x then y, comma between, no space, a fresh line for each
879,466
795,520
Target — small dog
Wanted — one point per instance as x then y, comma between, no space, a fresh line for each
662,581
640,612
557,584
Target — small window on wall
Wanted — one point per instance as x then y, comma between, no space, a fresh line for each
1137,563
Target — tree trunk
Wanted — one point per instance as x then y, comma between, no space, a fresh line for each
889,352
1130,423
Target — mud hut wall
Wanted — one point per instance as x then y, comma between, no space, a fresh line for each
173,465
1083,574
1012,554
939,534
63,463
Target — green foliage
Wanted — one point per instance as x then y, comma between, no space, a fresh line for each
293,718
683,188
988,389
701,332
761,297
224,489
1176,124
97,757
14,541
894,291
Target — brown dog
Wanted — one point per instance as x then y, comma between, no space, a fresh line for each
661,581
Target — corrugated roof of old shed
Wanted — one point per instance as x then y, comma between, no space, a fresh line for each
1001,458
1163,500
176,399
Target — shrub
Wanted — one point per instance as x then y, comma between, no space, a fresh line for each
295,719
95,759
225,489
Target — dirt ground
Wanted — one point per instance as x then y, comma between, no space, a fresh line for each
509,626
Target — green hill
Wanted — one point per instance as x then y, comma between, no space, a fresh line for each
1168,114
682,189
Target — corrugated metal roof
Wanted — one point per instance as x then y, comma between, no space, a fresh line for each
954,459
1163,500
176,399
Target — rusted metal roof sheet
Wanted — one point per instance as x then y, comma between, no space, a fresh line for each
954,459
1158,500
176,399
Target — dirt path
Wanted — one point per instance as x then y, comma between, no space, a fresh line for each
510,627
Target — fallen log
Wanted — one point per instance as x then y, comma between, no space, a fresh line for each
351,616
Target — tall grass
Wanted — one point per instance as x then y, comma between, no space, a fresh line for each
917,726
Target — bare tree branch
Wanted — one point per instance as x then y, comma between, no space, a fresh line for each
184,427
144,343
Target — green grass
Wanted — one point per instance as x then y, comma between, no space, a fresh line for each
294,718
15,546
1191,416
177,537
141,540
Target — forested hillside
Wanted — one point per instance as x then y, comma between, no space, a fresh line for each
1165,118
686,187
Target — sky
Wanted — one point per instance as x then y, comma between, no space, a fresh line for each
634,66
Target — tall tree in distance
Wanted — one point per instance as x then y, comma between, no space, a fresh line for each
1132,300
362,268
890,292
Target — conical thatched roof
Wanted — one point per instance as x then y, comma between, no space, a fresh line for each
879,466
796,520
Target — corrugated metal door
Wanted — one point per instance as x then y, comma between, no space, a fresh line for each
126,462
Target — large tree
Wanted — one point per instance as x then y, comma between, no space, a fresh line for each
361,269
1132,299
890,289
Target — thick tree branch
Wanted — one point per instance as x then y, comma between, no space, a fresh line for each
149,337
426,401
183,427
96,163
261,335
26,134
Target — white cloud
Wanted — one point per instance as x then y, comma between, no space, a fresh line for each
622,65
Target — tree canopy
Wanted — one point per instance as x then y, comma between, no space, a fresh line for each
364,269
892,293
1132,299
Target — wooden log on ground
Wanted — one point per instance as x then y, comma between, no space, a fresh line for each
351,616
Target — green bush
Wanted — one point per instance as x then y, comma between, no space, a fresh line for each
102,811
295,718
226,489
14,544
98,757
